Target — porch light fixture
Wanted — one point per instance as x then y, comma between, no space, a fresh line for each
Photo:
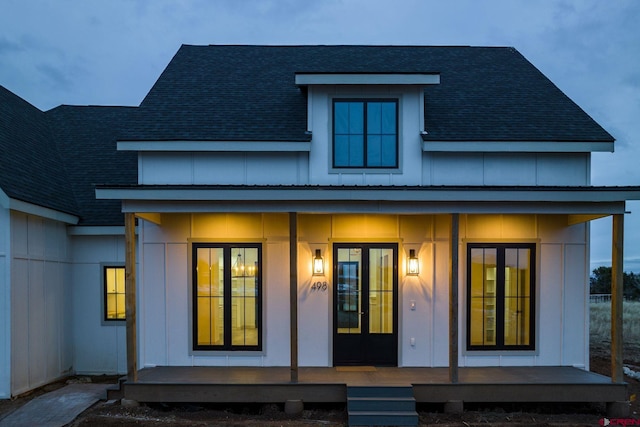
239,269
412,263
318,264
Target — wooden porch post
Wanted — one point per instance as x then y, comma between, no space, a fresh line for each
293,292
617,296
453,299
130,295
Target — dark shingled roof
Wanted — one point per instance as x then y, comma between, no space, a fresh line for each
249,93
55,159
86,138
31,169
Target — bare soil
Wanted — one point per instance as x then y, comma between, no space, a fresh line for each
113,414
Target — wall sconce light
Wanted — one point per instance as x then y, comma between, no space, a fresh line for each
318,264
412,264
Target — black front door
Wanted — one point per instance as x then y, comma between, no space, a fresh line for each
365,301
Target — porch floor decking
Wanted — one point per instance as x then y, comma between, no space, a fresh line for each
272,384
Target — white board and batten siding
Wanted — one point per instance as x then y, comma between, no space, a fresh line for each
41,319
5,300
100,346
165,287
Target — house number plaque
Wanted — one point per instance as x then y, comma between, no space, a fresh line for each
319,287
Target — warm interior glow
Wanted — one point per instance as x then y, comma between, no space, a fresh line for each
318,264
412,267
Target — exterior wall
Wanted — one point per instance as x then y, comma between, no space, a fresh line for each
562,328
223,168
41,342
506,169
165,287
100,347
320,123
164,310
5,302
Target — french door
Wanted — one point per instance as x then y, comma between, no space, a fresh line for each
365,301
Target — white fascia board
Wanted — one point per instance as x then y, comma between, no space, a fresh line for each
387,207
29,208
365,194
87,230
516,146
226,146
367,79
4,200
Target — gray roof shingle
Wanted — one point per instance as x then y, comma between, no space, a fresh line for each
248,93
86,137
31,169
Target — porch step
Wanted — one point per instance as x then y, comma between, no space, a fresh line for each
381,406
116,391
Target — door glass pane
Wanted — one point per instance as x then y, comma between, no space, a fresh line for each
244,292
210,296
483,296
348,304
380,291
517,293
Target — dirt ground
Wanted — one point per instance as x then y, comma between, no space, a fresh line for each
113,414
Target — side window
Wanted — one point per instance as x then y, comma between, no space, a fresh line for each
227,297
365,133
500,296
114,293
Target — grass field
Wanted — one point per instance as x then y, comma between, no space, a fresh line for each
600,323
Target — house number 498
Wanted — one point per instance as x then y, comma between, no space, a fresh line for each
319,287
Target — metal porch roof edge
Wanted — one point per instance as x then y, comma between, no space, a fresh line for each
591,194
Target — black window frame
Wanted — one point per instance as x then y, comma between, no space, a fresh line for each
365,102
500,297
105,294
226,247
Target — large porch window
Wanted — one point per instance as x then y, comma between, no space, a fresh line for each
227,294
500,296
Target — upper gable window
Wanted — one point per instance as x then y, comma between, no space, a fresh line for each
365,133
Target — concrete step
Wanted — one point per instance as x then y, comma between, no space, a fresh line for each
381,404
379,391
385,418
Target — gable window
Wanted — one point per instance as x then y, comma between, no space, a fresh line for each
365,133
500,296
227,294
114,293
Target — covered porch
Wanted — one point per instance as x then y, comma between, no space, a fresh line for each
329,384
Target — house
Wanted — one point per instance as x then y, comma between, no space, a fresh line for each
303,207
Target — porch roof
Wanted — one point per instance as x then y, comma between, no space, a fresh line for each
382,199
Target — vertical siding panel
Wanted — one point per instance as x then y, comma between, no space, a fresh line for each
36,329
549,303
178,313
574,302
19,326
441,305
154,303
